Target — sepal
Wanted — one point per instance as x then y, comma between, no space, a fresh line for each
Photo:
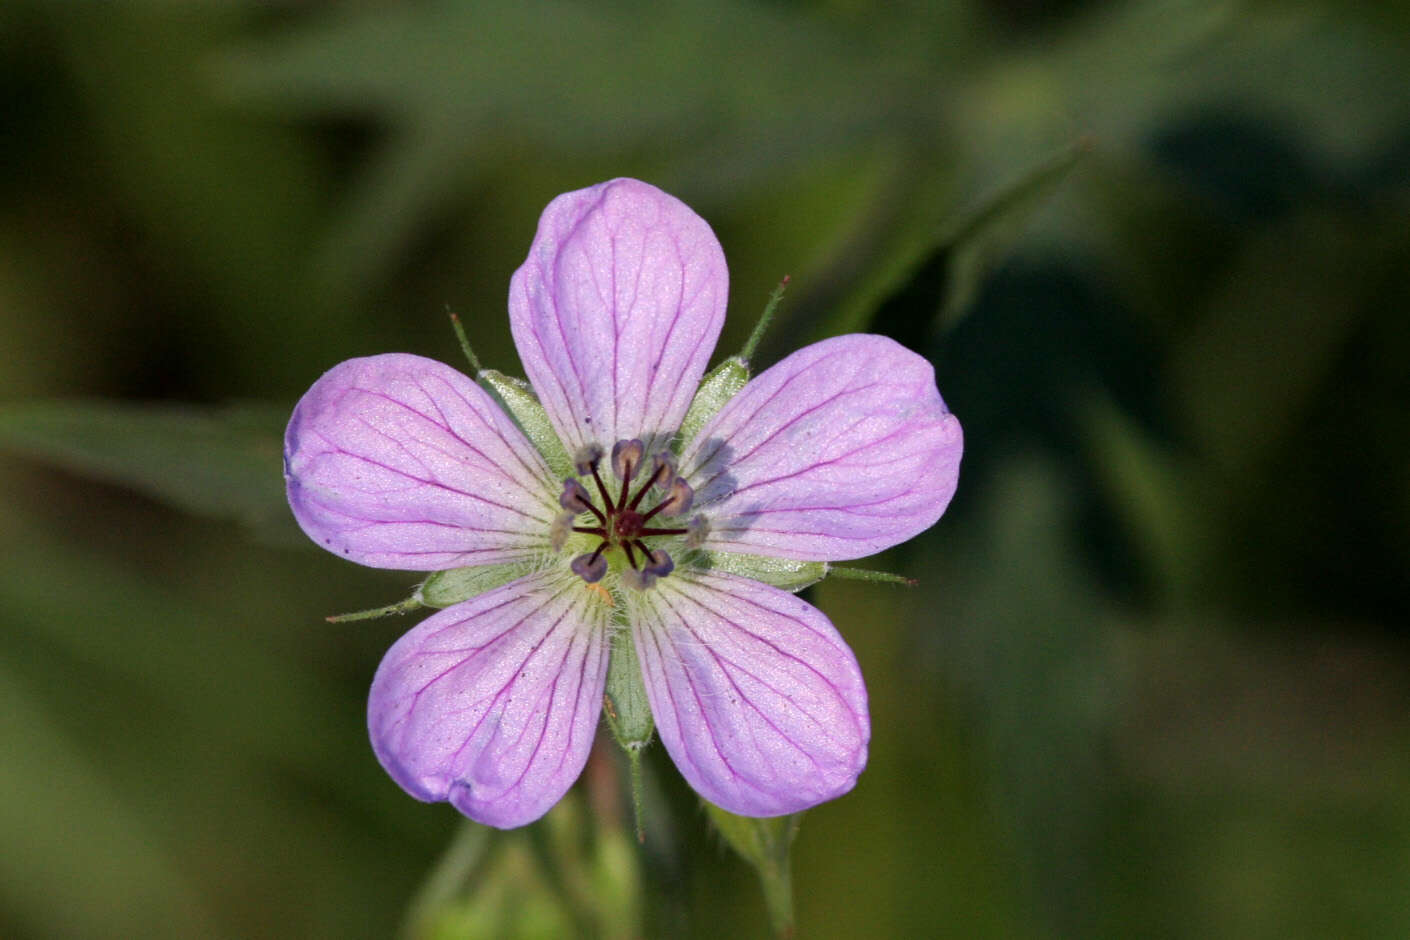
518,398
789,574
445,588
719,385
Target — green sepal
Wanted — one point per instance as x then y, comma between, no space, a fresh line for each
628,714
720,385
766,844
518,398
785,573
413,602
627,710
845,573
444,588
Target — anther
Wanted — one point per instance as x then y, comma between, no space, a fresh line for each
696,532
663,468
659,563
558,532
617,522
626,458
677,501
590,567
575,497
585,460
638,580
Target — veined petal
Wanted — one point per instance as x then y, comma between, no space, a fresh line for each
839,451
616,310
396,461
492,704
757,698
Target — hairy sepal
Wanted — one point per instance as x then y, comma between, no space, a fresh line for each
519,400
444,588
786,573
720,385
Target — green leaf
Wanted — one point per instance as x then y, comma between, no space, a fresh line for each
223,462
953,263
463,85
976,242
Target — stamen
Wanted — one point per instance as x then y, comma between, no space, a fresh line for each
659,475
626,458
697,532
591,567
585,460
558,532
575,498
618,522
654,531
638,580
602,488
677,501
661,564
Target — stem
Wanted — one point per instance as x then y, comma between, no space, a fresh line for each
777,881
447,879
764,319
638,794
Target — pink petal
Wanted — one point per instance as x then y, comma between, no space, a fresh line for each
758,700
841,450
616,311
401,462
492,704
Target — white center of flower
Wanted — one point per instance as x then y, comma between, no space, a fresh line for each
620,522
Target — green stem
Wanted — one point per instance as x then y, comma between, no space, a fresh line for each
447,880
638,794
776,878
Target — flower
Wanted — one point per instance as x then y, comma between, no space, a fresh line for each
629,516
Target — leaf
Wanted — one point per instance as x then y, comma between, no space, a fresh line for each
463,87
948,268
221,463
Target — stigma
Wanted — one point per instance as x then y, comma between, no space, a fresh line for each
620,522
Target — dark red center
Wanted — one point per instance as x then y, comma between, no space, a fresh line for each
629,524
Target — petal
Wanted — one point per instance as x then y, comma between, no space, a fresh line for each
492,704
758,700
402,462
616,311
841,450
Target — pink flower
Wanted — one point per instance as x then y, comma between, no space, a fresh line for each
630,524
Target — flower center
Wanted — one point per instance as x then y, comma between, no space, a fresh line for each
619,522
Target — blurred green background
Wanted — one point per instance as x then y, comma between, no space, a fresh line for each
1154,679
